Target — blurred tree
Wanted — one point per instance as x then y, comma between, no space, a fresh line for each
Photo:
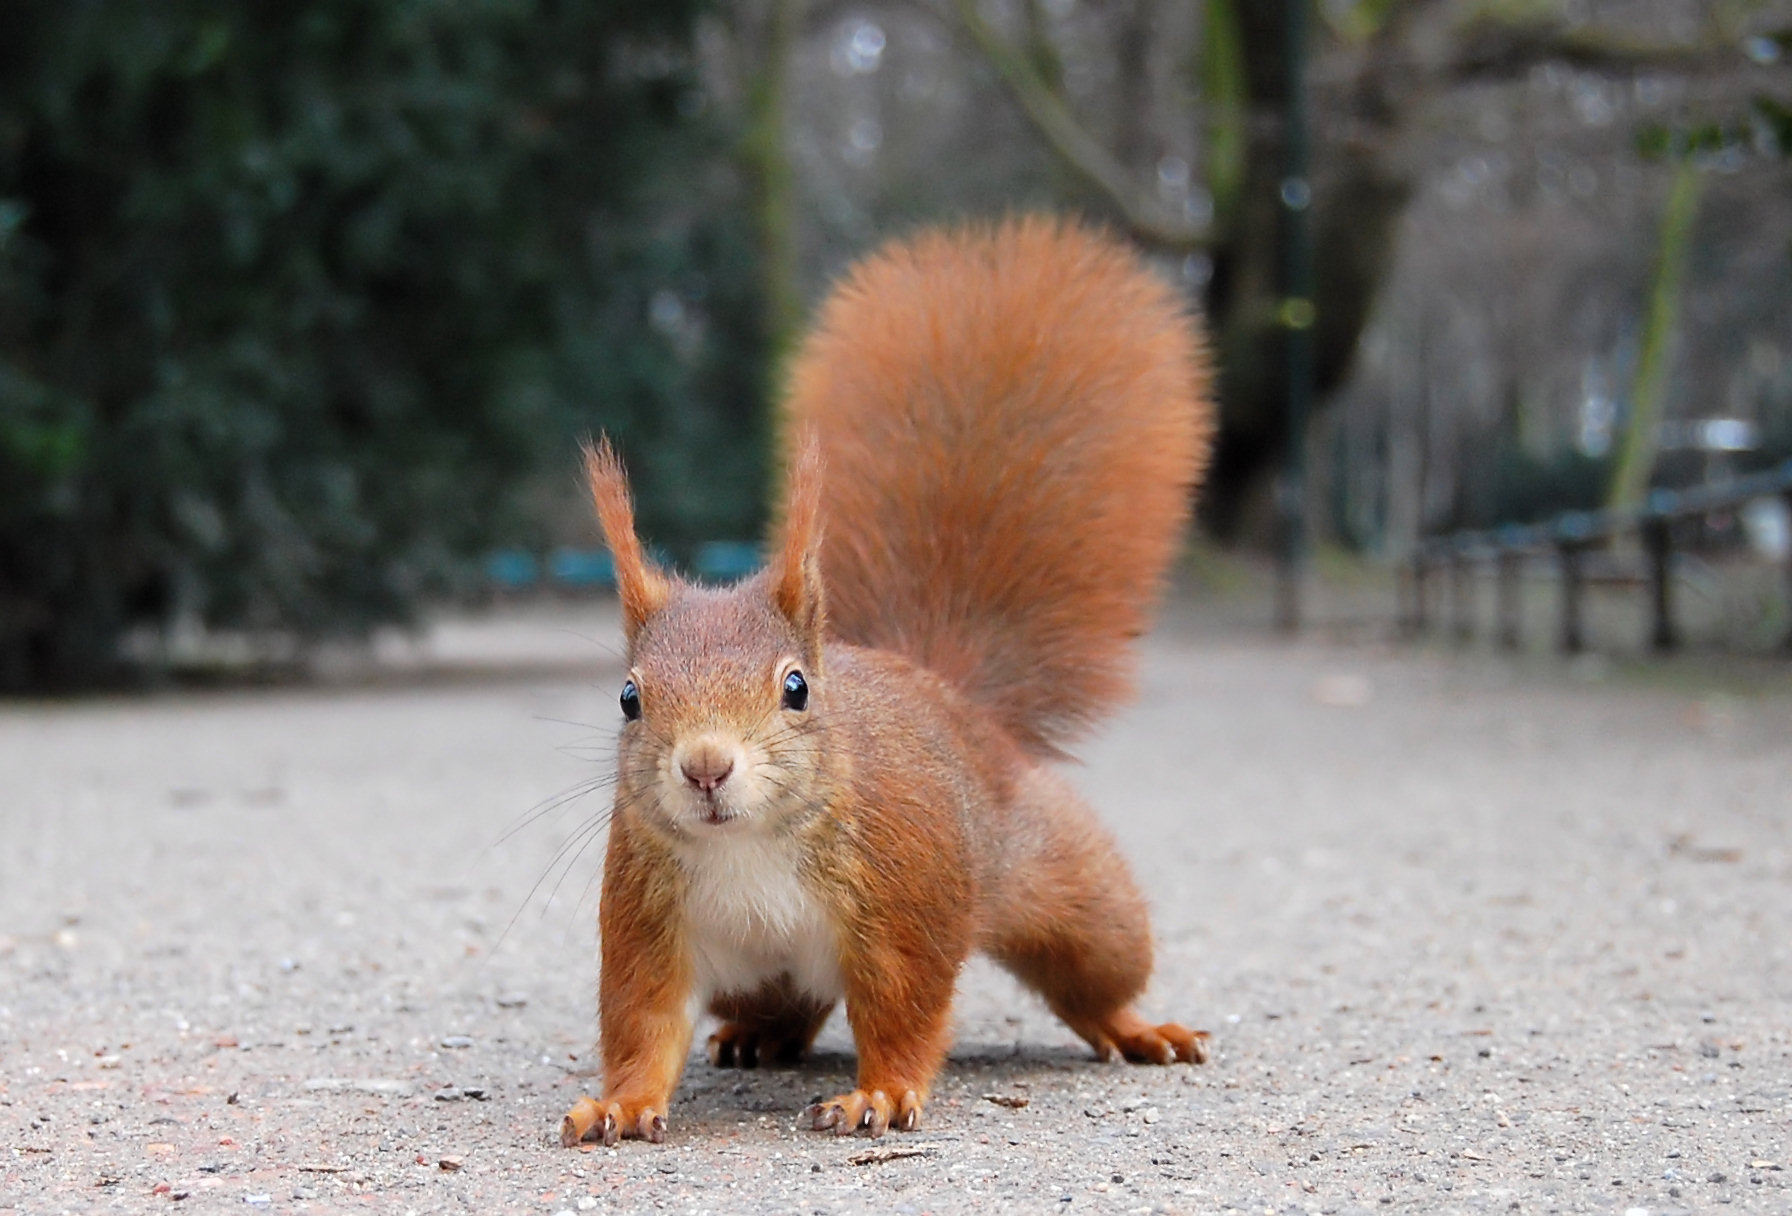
292,298
1692,149
1640,439
1241,92
763,34
1093,83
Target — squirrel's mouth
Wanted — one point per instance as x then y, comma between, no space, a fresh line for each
711,812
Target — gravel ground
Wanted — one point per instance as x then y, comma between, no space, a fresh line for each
1468,938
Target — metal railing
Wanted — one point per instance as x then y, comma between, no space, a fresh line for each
1569,538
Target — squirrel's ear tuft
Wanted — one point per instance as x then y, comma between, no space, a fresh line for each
796,570
643,588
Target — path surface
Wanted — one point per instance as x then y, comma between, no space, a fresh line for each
1467,940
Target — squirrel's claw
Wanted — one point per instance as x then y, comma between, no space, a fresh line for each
908,1113
579,1122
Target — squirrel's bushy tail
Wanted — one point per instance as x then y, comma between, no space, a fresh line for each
1013,419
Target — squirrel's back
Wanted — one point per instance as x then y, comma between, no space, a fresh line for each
1013,419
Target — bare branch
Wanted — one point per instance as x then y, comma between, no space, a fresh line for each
1492,48
1082,152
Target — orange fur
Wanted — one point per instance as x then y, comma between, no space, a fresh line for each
1014,420
997,433
643,589
796,572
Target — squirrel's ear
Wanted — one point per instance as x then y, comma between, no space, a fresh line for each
796,570
643,588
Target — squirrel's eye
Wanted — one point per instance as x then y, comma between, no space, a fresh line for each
796,691
631,701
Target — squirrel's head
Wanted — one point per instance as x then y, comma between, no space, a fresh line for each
724,691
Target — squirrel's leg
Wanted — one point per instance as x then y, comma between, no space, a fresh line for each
899,1002
902,1042
773,1025
1070,924
644,992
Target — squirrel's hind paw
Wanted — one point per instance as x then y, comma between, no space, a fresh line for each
1133,1039
869,1114
734,1046
1191,1046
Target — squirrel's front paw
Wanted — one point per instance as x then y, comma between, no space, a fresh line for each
870,1114
610,1121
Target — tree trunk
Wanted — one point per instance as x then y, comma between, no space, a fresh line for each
1637,448
1357,203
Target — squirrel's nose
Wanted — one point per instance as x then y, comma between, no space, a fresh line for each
706,766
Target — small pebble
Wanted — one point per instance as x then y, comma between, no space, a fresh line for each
457,1041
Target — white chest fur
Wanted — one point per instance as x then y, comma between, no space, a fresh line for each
750,919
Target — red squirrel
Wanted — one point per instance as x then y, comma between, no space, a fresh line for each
836,778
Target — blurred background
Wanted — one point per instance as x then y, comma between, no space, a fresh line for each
303,308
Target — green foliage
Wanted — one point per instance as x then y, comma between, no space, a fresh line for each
1358,20
1765,128
294,297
